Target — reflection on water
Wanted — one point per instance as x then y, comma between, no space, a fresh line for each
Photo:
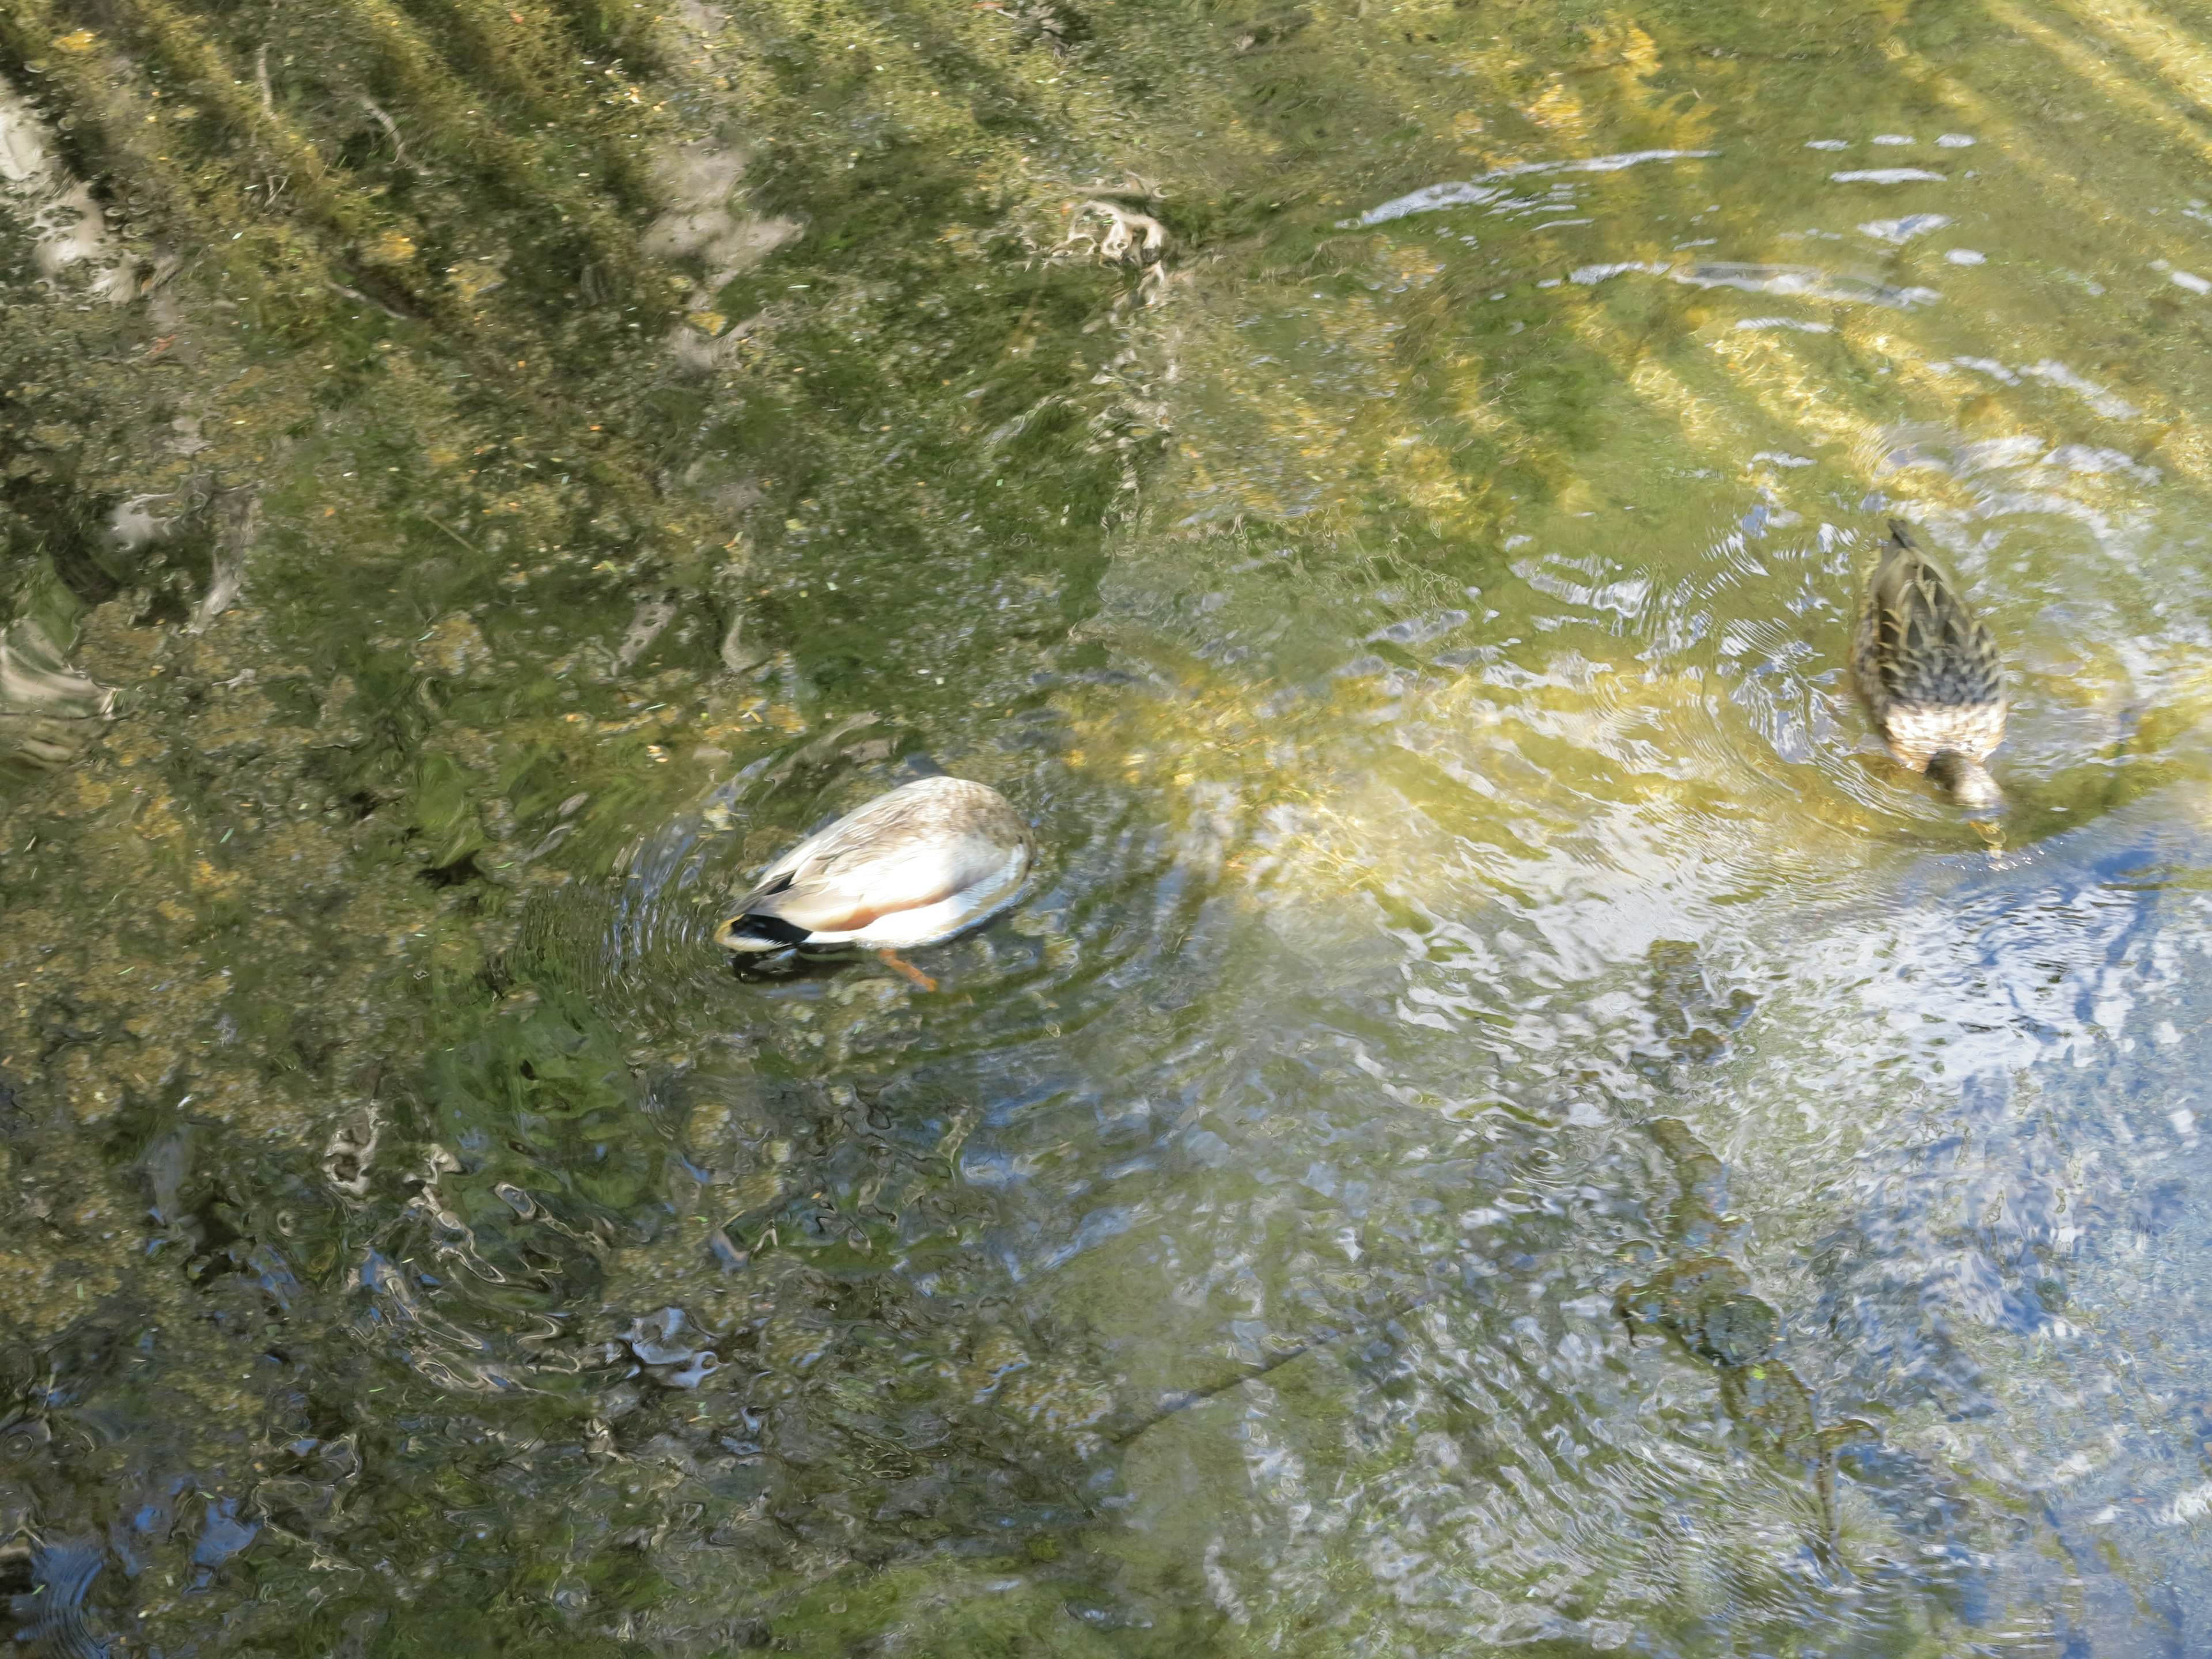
1505,1119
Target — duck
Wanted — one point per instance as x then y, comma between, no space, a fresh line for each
915,866
1928,671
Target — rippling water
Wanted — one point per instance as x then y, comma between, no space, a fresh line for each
1505,1121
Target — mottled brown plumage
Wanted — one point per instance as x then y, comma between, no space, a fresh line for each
911,867
1928,671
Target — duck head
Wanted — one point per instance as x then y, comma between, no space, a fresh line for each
1967,782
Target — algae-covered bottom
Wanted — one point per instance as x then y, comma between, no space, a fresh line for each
1505,1123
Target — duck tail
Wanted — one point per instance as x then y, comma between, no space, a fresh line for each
755,932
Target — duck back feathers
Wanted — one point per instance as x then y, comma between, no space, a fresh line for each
1927,667
910,867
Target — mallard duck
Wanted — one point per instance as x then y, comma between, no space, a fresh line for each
916,866
1928,668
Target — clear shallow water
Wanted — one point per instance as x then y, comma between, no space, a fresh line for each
1505,1123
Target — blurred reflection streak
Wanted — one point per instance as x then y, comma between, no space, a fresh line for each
65,217
1972,484
2100,74
2181,439
1471,192
1779,379
1780,382
1795,394
1706,423
1793,282
432,1345
2162,46
2034,961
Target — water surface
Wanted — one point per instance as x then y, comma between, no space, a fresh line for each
1505,1123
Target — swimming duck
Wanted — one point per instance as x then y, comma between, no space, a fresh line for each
920,864
1928,668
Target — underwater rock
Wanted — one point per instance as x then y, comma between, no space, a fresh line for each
70,229
1707,1305
669,1362
222,1535
1696,1021
48,710
1704,1302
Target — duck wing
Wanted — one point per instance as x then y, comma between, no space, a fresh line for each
913,847
1927,648
844,894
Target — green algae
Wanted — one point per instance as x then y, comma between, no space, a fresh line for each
586,400
395,293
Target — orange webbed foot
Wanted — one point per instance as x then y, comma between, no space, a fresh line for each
898,963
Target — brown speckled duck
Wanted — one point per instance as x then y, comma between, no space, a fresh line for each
927,860
1928,668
